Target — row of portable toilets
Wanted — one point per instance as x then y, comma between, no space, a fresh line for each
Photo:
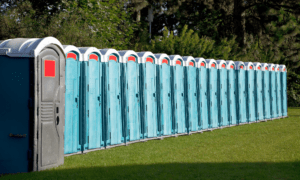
85,99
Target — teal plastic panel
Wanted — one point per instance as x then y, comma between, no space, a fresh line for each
274,113
250,89
203,95
241,90
266,91
213,94
259,92
283,73
232,93
222,94
278,91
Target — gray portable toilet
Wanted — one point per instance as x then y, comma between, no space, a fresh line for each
33,83
232,93
91,99
278,90
274,114
202,76
178,93
191,94
130,92
258,80
241,92
283,73
112,116
250,87
266,91
222,94
164,95
148,85
72,101
213,93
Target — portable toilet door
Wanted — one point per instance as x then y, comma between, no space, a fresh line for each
278,91
90,94
283,72
130,96
241,89
213,93
266,91
232,93
202,93
179,108
222,93
71,135
164,95
113,123
274,113
149,96
32,82
250,87
258,91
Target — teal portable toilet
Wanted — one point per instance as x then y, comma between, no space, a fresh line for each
179,108
202,76
258,91
250,90
72,101
266,91
241,92
274,114
232,93
164,95
32,73
148,85
278,90
283,72
112,111
90,119
213,93
222,94
130,92
191,94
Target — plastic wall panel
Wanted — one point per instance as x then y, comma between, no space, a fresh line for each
242,96
213,98
273,94
223,102
266,94
284,93
259,95
251,115
278,93
232,96
203,81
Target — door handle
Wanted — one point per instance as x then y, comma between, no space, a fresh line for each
137,95
118,96
153,94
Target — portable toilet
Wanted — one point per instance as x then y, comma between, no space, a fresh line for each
179,108
250,87
258,81
202,93
131,96
241,92
266,91
148,85
32,84
90,95
212,93
72,101
112,111
232,93
278,91
222,93
274,113
164,95
283,72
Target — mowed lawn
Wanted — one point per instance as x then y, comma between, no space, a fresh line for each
266,150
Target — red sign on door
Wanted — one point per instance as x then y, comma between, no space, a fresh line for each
231,66
258,67
223,65
72,55
191,64
241,67
164,61
202,64
213,65
112,58
149,59
93,56
131,58
250,67
49,68
266,68
178,62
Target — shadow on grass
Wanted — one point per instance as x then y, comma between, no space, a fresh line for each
284,170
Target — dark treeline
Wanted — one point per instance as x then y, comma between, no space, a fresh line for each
254,30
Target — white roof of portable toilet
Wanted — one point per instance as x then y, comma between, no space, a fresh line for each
187,60
124,54
221,64
257,66
230,64
282,68
106,52
277,67
271,67
239,65
249,66
161,57
143,56
86,51
27,47
70,48
264,66
211,63
200,62
174,58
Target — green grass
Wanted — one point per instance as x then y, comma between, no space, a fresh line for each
266,150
